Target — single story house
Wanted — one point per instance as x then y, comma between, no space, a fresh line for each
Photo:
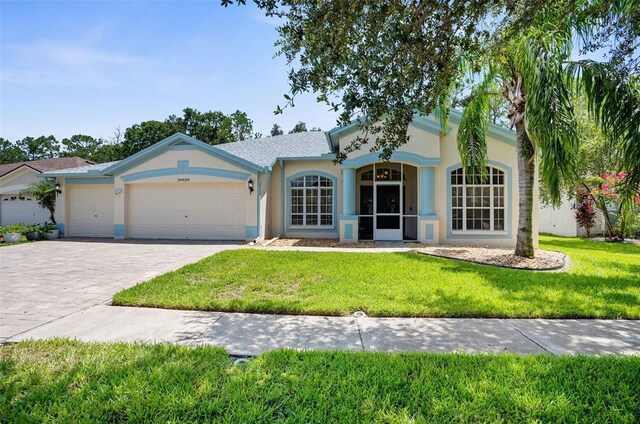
182,188
15,177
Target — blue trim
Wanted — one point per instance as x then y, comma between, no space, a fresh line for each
118,230
429,232
251,232
396,156
183,168
433,217
348,231
428,124
427,192
287,210
349,191
88,180
508,218
180,140
60,229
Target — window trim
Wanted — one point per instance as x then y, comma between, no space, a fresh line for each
465,198
289,205
482,234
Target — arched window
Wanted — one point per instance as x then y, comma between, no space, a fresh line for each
312,201
477,202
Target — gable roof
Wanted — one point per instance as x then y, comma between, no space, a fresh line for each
46,165
178,139
266,151
428,123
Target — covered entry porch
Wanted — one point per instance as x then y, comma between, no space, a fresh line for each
389,201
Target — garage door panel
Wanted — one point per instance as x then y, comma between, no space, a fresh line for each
91,210
194,211
15,209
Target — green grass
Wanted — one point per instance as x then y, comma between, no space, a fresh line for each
23,240
603,282
65,381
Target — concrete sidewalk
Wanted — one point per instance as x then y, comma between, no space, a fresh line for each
252,334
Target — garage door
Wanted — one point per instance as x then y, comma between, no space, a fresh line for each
90,210
180,211
15,209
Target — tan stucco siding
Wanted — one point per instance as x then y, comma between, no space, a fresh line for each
18,180
279,211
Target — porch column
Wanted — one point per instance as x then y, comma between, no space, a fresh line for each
427,201
348,219
348,191
428,222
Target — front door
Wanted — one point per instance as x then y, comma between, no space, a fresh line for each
387,218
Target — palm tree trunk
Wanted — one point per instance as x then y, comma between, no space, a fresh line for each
526,175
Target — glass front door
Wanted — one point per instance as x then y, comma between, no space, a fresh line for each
388,212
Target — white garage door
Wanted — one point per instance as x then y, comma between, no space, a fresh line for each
17,209
181,211
90,210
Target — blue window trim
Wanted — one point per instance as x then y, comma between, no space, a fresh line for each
287,211
183,168
397,156
474,234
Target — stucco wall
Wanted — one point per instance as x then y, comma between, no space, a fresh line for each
18,180
276,210
196,159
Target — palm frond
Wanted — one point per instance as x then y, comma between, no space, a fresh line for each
472,133
614,101
550,119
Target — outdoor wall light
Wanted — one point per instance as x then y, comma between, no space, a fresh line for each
58,190
250,185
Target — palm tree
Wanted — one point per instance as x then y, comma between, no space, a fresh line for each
45,194
536,77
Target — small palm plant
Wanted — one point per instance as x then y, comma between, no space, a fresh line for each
45,194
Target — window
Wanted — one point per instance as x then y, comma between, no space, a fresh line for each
312,201
477,202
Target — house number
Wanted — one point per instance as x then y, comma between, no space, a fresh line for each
183,180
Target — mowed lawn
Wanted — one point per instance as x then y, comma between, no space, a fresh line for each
66,381
603,282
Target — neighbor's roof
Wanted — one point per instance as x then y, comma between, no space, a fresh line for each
46,165
265,151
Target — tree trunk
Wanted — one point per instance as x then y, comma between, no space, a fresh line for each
526,175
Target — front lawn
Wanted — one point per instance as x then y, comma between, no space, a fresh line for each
603,282
64,381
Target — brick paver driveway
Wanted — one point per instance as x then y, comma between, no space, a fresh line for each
41,282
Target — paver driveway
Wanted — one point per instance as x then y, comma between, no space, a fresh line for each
41,282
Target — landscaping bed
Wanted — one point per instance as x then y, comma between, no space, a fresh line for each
545,260
602,282
68,381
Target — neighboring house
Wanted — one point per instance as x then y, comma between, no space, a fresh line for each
15,177
562,220
181,188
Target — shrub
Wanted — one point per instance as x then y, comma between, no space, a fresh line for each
585,211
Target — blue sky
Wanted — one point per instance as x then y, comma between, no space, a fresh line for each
87,67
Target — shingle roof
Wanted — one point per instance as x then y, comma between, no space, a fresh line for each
46,165
265,151
87,169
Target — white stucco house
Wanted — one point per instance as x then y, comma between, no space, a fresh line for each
182,188
15,177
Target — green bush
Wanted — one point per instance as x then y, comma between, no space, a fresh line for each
15,228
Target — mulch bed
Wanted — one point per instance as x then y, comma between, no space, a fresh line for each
545,260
